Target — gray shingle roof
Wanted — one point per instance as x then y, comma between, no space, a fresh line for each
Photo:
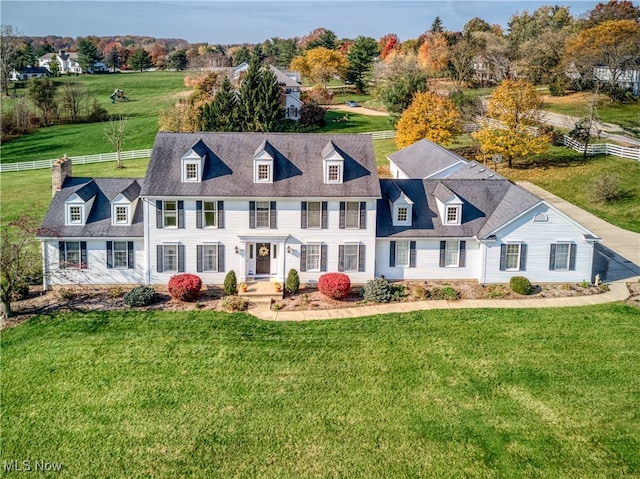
98,223
474,171
424,158
486,206
229,166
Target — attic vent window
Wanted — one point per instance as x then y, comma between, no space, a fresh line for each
541,218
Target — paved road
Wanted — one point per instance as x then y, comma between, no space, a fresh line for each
607,130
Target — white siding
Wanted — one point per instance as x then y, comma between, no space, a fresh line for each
427,261
539,236
396,172
237,233
444,173
97,271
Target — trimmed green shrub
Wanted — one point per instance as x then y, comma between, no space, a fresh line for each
234,303
398,291
334,285
185,286
521,285
292,284
230,284
377,290
140,296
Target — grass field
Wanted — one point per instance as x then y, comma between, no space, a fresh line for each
433,394
576,104
149,93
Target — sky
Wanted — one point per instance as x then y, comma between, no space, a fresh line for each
236,21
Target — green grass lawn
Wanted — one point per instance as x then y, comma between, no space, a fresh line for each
149,93
357,122
432,394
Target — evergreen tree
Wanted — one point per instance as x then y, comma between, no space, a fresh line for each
360,57
221,113
249,98
242,55
178,60
54,66
88,54
140,59
270,109
113,58
437,26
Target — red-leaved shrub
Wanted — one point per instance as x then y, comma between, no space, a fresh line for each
185,286
334,285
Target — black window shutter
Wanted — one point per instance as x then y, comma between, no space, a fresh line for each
181,258
303,215
220,258
325,220
363,215
412,254
199,258
341,258
361,258
503,257
198,214
62,255
83,255
323,257
131,259
252,214
572,257
159,222
303,258
463,254
109,254
159,265
221,214
343,207
552,257
392,254
523,257
273,223
443,247
180,214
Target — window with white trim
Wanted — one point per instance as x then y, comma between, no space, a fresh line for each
75,215
73,254
170,214
352,214
191,172
403,213
402,253
452,253
170,258
313,257
209,213
210,257
122,214
351,257
562,256
333,174
452,214
314,214
512,258
262,214
120,255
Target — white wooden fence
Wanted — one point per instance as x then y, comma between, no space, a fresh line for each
603,149
75,160
382,135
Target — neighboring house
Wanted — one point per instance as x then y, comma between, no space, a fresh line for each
263,203
291,85
624,79
29,73
410,161
68,63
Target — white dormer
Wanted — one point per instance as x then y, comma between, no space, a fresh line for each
121,211
332,164
449,205
192,165
401,208
263,161
76,211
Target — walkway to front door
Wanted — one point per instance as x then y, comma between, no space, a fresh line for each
263,258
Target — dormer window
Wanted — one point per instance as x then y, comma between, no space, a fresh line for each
122,214
264,173
402,214
192,163
75,214
453,214
121,210
75,211
263,163
333,163
401,207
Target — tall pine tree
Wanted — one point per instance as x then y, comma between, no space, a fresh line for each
270,109
249,97
221,113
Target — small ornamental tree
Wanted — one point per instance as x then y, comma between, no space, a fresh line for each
185,286
334,285
230,283
293,282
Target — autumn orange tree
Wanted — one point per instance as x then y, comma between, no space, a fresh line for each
429,116
320,65
515,107
434,52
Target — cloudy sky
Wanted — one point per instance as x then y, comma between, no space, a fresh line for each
226,22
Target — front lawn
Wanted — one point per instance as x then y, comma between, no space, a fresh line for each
442,394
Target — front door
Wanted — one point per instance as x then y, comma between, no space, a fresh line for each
263,258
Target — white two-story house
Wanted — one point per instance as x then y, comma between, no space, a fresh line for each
261,204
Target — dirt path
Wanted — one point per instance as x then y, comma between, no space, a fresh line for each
358,109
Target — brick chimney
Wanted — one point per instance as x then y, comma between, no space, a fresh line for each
60,171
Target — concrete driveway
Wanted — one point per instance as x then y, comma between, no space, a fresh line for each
618,254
